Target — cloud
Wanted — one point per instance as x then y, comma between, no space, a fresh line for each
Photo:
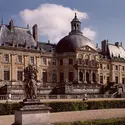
88,32
53,20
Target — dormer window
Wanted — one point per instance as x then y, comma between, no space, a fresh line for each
19,58
6,57
61,61
32,60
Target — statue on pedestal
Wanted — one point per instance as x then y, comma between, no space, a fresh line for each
30,84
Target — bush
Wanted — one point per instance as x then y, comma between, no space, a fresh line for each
9,108
116,121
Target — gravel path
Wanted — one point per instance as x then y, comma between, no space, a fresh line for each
74,116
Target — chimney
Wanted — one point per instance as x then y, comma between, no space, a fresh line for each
11,26
35,32
121,43
117,44
105,47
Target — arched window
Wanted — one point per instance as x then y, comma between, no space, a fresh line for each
86,59
93,77
80,76
87,77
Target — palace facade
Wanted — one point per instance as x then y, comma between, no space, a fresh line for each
74,59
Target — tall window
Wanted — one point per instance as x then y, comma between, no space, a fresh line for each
44,76
107,66
101,79
93,62
6,57
20,75
107,79
123,68
54,77
116,67
19,59
70,76
44,61
32,60
53,61
61,61
123,80
70,61
6,75
100,66
80,61
116,79
61,77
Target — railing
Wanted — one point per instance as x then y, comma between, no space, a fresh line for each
21,97
3,97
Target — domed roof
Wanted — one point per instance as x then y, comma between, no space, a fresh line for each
74,40
71,42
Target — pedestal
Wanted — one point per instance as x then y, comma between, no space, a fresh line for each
32,112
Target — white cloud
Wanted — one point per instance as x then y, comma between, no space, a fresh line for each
54,20
88,32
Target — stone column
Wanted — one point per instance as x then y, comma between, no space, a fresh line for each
85,77
38,64
75,75
13,72
78,74
120,74
91,77
112,73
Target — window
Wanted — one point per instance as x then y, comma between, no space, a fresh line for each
44,61
70,61
54,78
7,75
19,59
100,66
123,68
80,61
20,75
70,76
44,76
61,61
61,77
107,79
116,79
53,61
123,80
101,79
116,67
32,60
107,66
93,62
86,61
6,58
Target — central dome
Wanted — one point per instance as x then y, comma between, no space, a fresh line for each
74,40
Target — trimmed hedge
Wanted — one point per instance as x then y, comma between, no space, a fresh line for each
114,121
9,108
87,105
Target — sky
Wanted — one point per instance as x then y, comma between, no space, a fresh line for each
101,19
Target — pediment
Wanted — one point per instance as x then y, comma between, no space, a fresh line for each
86,48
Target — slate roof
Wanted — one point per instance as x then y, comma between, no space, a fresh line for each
72,41
18,37
46,47
116,51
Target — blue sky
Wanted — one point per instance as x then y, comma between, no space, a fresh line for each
106,17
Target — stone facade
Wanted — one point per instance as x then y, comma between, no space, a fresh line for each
81,63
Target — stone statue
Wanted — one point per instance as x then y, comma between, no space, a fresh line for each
30,84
